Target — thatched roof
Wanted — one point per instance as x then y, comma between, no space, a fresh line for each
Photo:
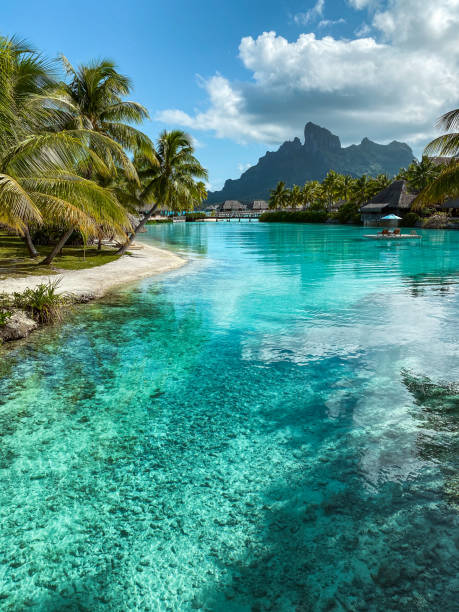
396,196
260,205
233,205
440,161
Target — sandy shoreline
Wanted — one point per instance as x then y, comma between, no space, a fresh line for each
144,261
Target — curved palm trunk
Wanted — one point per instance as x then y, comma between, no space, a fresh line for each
133,234
29,244
59,246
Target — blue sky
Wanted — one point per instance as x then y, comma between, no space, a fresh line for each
242,77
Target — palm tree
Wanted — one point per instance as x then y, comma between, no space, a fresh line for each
345,187
446,183
93,101
279,196
170,182
331,187
295,197
92,105
420,174
361,191
38,181
311,193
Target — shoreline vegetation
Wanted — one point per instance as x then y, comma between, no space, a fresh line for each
28,302
78,181
433,183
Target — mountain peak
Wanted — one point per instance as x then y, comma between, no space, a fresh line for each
317,138
294,163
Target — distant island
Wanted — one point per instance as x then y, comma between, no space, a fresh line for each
295,163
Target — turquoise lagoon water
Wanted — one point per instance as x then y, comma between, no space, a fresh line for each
272,427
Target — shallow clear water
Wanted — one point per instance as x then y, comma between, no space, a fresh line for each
251,432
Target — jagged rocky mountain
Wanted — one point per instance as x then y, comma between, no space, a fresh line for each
296,163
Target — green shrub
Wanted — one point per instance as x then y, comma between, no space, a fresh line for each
4,316
164,220
349,213
47,235
195,216
297,216
43,302
410,219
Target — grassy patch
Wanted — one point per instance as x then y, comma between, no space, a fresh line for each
14,259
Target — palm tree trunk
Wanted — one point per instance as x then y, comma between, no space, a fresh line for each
99,244
29,244
133,234
59,246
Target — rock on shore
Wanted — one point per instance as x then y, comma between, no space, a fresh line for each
19,325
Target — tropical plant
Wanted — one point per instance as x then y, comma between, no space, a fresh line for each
169,183
331,188
360,192
345,187
295,198
410,219
39,160
349,212
312,194
5,315
195,216
93,101
420,174
43,302
295,216
279,196
446,183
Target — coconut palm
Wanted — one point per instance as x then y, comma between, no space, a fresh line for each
279,196
92,100
38,181
420,174
331,187
312,194
361,190
446,183
170,182
295,198
345,187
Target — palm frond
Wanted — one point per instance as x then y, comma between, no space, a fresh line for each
446,145
450,120
125,111
131,139
445,186
15,203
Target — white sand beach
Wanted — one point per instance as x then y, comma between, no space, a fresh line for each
144,261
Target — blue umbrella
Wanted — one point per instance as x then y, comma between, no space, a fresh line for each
391,217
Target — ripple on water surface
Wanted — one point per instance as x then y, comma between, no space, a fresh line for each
272,427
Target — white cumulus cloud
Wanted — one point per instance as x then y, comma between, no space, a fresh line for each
313,13
392,84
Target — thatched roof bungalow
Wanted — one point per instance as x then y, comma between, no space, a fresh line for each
233,206
260,205
396,199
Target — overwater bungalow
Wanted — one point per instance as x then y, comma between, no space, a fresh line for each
233,206
260,205
396,199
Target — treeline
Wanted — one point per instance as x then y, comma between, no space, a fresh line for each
71,162
341,196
